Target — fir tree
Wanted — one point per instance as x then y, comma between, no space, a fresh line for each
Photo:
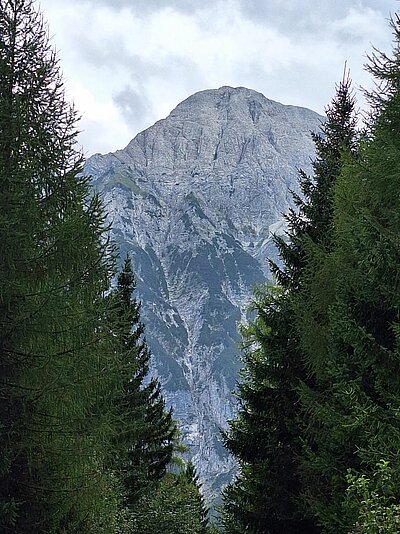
191,475
175,506
311,223
54,267
266,436
148,431
159,500
353,414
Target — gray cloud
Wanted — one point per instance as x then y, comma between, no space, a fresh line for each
134,106
146,6
307,10
304,18
289,14
128,69
113,51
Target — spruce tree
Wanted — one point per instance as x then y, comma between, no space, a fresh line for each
55,264
174,506
353,414
203,511
147,432
266,437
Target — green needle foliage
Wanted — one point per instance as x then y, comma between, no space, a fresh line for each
147,432
354,415
374,501
176,506
264,436
54,267
84,434
267,435
193,479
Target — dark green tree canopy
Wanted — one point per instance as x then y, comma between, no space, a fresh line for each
351,415
148,431
312,220
55,264
267,435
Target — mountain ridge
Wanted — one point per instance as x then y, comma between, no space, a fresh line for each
195,199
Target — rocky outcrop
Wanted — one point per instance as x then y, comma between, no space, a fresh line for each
195,200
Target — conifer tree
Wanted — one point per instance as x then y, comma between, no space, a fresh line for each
147,433
176,505
203,511
353,415
266,436
54,267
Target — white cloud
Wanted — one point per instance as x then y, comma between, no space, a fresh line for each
161,55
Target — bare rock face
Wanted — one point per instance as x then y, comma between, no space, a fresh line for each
195,200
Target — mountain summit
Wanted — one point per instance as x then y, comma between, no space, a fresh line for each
195,200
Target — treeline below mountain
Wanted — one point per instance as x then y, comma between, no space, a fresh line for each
87,444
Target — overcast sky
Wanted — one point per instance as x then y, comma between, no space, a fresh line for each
128,63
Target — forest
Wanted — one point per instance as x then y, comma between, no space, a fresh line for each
87,442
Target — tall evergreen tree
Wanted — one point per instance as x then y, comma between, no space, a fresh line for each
203,511
311,223
266,436
353,414
173,507
54,266
147,432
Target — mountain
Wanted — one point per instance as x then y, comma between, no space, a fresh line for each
195,199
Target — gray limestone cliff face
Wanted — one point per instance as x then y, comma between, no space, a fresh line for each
195,200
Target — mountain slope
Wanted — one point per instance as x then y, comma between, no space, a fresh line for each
195,199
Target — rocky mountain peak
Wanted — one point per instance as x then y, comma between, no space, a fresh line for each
195,199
